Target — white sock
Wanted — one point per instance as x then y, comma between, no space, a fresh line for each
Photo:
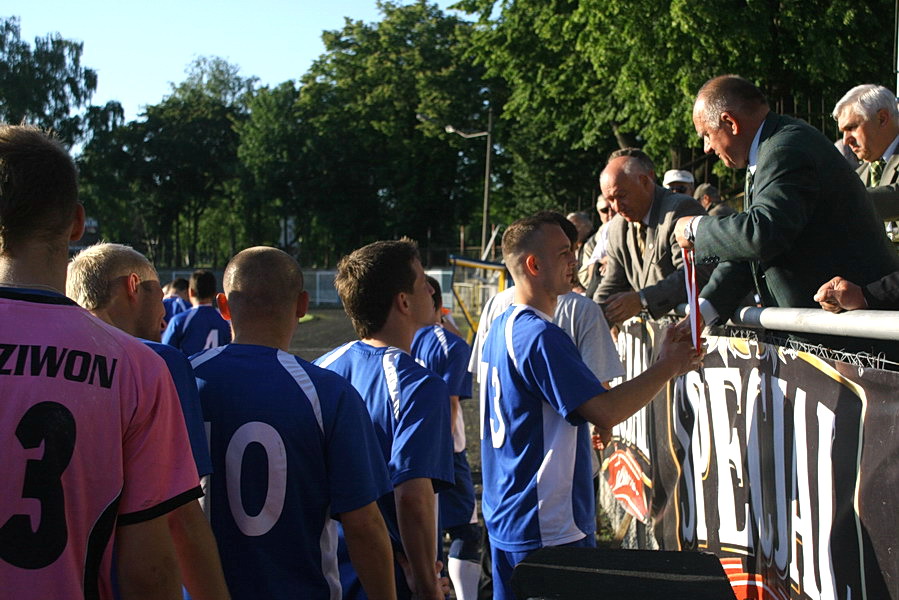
465,575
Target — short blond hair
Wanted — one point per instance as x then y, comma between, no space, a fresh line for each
92,271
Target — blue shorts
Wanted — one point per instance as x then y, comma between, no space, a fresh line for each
504,562
457,503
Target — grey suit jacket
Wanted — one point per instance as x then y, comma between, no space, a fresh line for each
809,219
661,274
886,193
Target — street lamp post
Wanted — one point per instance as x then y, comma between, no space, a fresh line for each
485,217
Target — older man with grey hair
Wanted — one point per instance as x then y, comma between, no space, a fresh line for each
868,118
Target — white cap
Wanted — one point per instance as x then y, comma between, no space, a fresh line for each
677,175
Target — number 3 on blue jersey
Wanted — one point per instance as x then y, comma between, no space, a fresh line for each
497,426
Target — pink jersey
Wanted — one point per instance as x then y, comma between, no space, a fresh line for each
91,434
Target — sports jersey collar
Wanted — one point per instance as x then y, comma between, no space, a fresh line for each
539,312
34,295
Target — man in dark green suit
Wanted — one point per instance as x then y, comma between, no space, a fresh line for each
807,215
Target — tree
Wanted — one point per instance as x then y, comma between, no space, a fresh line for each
45,85
377,162
596,70
174,170
271,146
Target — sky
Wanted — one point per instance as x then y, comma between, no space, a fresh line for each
139,49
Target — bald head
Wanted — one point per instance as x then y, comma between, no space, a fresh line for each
628,185
261,281
728,93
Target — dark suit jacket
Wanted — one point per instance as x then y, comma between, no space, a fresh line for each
883,294
809,219
661,274
886,193
721,210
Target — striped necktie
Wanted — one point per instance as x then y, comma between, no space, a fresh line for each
640,231
747,190
874,173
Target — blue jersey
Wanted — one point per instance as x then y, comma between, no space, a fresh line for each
535,451
183,376
292,446
446,354
174,305
197,329
409,406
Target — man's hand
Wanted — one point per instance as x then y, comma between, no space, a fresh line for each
677,349
443,583
684,330
838,295
679,232
620,307
601,437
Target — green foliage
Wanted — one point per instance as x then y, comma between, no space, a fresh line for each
172,167
43,85
337,158
585,71
376,161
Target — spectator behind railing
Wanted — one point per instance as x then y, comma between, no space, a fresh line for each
644,267
807,214
869,121
838,294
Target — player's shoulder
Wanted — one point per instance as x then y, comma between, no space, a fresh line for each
524,316
209,312
173,357
526,327
319,376
423,335
455,343
329,358
407,370
165,351
179,318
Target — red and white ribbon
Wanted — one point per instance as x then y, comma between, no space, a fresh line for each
692,296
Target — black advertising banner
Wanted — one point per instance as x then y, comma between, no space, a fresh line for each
783,464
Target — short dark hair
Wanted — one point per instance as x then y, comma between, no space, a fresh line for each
368,280
437,295
179,284
38,187
567,226
520,236
641,158
202,283
729,93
